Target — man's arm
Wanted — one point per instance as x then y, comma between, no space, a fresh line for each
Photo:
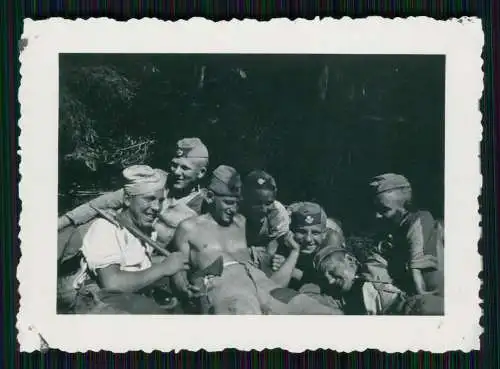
278,261
283,275
103,254
181,244
418,280
84,213
416,237
297,274
112,278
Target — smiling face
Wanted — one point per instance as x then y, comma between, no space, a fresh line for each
309,237
144,209
224,208
258,203
185,173
339,272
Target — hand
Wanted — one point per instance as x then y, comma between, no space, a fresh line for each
290,242
183,286
277,262
176,262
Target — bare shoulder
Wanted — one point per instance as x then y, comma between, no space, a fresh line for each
192,223
240,220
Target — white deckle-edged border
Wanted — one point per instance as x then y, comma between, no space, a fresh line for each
460,40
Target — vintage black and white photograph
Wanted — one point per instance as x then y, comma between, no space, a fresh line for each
251,184
200,183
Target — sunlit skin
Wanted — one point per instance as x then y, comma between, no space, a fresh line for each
224,208
144,209
390,207
339,272
309,237
205,238
220,232
185,174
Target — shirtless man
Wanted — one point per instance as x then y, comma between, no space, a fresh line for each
241,288
184,198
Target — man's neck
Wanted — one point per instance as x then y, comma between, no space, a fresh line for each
178,194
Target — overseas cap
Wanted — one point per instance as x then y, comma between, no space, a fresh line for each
225,181
388,182
259,180
191,148
323,253
306,214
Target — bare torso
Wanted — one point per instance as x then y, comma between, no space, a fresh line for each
209,240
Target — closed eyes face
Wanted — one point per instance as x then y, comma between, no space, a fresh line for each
339,272
225,208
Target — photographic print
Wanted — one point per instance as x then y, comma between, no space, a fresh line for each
220,175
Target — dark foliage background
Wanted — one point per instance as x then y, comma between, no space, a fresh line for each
321,124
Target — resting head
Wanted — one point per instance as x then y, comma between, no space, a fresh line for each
144,192
224,194
336,267
392,195
188,165
308,225
259,194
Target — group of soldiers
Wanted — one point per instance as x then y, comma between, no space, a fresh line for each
162,244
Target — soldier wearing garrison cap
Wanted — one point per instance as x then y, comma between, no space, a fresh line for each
184,198
267,218
221,267
268,226
410,255
341,283
191,148
310,230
